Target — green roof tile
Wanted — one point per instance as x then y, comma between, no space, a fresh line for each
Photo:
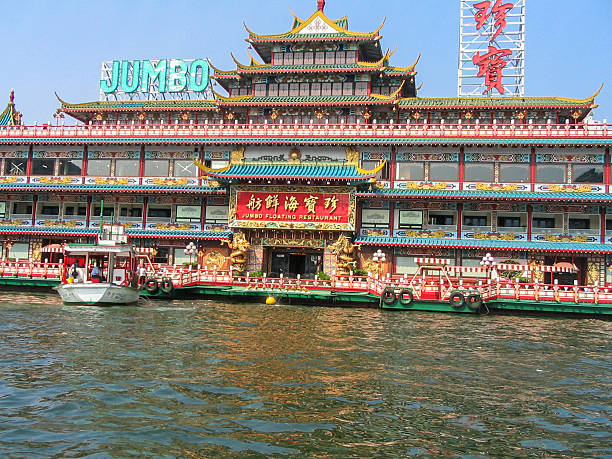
483,244
292,171
483,102
450,194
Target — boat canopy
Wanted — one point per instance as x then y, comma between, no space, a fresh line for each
84,249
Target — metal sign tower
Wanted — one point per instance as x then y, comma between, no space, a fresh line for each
491,48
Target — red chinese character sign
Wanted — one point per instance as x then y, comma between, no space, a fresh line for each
331,208
492,47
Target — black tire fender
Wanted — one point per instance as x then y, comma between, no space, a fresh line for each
166,285
151,285
457,300
388,296
474,302
406,301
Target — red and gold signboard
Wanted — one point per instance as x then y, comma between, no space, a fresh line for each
318,208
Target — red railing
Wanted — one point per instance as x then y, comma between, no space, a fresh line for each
372,131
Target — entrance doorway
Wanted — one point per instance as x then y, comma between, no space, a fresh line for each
291,262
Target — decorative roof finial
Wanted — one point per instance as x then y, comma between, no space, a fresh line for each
12,96
321,5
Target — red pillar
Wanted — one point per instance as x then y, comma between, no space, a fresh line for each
29,162
84,166
141,166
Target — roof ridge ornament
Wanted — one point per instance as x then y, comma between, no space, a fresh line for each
321,5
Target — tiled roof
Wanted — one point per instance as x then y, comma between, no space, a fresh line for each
122,105
489,102
452,194
100,187
484,244
212,235
292,171
308,100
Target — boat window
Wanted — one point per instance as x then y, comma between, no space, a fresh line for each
15,167
43,166
131,212
308,58
156,168
330,57
340,57
2,210
273,90
375,218
217,214
361,88
98,167
513,221
550,173
108,211
283,90
543,222
46,209
71,210
298,58
587,173
579,223
319,58
514,173
315,89
260,89
347,89
479,172
191,214
411,171
326,89
476,220
443,172
288,59
304,89
159,212
410,219
22,208
382,174
19,251
127,168
185,168
278,59
441,219
70,166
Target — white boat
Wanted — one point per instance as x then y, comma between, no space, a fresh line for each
116,262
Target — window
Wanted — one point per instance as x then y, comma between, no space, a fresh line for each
273,89
410,171
43,166
410,219
2,210
156,168
475,220
319,58
514,173
217,215
294,89
127,168
609,225
15,167
159,212
441,219
278,58
326,89
304,89
47,209
288,59
22,208
162,255
108,211
405,265
260,89
298,58
98,167
383,174
509,222
308,58
185,168
75,210
336,89
70,166
587,173
130,212
361,88
550,173
543,222
283,90
19,251
443,172
190,214
315,89
375,218
478,172
347,89
351,57
579,223
330,57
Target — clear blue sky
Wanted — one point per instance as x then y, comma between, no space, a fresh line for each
58,45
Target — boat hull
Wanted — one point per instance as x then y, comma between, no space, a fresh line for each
102,293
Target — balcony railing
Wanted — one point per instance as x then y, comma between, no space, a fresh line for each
312,130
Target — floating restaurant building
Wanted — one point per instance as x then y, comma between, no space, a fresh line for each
320,154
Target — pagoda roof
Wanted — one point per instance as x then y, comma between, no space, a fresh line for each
285,171
10,116
250,100
317,28
581,247
496,102
81,111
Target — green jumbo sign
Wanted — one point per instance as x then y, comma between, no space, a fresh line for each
161,76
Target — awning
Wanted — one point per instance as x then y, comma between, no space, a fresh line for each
53,248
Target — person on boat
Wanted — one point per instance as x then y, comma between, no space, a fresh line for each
142,273
95,273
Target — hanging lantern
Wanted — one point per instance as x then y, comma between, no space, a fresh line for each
185,116
274,114
99,116
367,114
576,114
416,115
295,154
468,115
521,115
142,115
230,116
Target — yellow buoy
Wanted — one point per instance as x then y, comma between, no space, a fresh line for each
70,280
270,300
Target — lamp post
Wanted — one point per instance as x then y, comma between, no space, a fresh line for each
488,263
380,258
190,250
